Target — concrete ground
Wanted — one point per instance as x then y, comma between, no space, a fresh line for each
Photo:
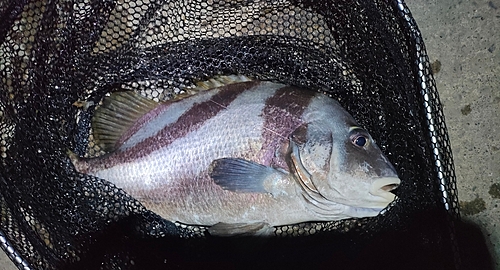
464,37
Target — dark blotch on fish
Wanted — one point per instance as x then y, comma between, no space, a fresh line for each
473,207
466,109
495,191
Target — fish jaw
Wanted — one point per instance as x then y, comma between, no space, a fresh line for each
367,204
382,186
360,212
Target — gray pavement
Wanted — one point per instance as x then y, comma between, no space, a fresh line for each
464,36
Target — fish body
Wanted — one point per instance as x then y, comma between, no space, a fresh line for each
241,155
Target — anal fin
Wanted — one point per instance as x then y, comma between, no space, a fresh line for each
241,229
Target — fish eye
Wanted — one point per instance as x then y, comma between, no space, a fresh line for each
359,138
360,141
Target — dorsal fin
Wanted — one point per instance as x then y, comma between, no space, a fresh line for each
118,113
219,81
121,110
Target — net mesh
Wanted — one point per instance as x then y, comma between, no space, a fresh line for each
58,59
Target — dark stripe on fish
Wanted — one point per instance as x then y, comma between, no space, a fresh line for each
283,114
188,122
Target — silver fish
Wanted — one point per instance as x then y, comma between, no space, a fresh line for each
241,157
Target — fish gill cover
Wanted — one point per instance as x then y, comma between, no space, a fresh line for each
58,59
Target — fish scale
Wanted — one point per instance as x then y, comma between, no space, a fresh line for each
233,156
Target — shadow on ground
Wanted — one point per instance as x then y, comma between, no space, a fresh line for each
473,246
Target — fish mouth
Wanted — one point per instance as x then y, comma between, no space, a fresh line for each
381,189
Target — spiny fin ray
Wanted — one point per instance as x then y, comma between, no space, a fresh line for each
118,113
219,81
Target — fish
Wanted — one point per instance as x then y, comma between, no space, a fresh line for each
241,156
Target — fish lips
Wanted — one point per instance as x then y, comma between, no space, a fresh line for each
381,188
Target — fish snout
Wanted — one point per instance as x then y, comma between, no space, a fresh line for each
383,186
386,181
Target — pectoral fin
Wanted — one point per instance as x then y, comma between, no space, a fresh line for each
240,175
241,229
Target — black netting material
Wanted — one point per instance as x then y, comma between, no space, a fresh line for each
369,55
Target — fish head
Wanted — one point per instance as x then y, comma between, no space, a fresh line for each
337,162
